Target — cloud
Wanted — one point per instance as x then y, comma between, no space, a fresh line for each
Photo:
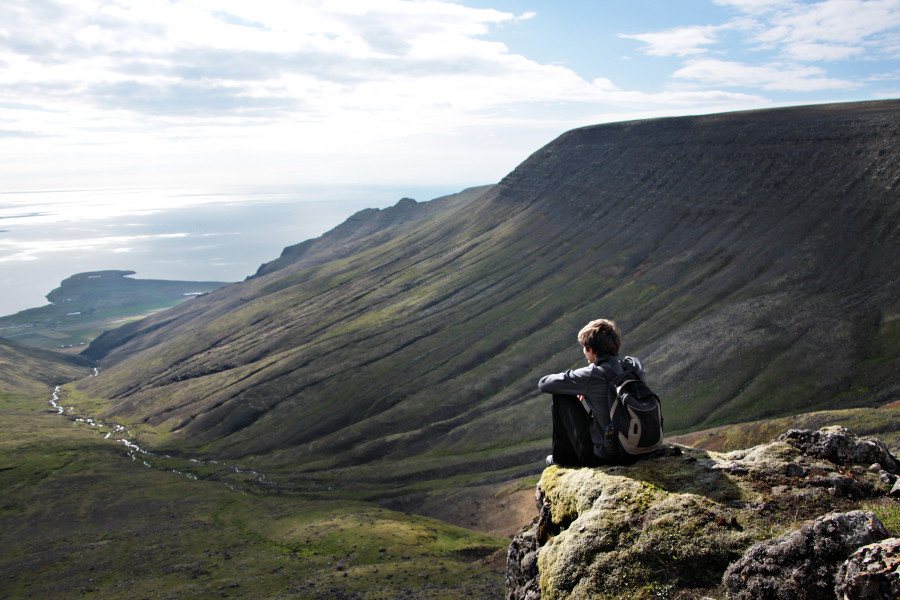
754,5
9,133
827,30
188,99
231,19
787,40
815,52
338,88
891,76
682,41
780,77
329,75
211,59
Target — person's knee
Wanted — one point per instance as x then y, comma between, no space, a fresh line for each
565,398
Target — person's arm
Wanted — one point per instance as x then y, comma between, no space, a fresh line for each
572,382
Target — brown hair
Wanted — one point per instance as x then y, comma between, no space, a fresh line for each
602,336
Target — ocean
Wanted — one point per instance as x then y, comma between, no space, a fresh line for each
167,233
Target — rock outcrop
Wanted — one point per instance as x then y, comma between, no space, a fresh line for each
780,520
871,573
802,564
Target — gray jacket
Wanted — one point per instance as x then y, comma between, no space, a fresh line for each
588,381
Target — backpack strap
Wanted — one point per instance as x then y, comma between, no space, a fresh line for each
610,372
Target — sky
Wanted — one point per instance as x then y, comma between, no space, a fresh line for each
107,93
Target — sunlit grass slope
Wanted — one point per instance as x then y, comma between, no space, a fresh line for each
28,370
79,519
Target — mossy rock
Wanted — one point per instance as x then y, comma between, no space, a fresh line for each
670,525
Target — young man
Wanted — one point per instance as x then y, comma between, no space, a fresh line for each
578,438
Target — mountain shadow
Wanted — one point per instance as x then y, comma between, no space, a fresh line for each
749,258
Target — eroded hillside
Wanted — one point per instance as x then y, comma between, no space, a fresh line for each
748,257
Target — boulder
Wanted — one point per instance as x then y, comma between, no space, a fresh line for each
522,581
802,565
840,446
672,525
871,573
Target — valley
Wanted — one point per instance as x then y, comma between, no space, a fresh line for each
396,356
82,518
382,377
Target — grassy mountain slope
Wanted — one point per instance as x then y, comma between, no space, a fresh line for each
748,257
28,371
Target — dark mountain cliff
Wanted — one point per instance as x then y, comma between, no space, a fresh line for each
750,259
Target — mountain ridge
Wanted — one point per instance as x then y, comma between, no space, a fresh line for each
408,352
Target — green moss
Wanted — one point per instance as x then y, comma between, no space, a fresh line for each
670,524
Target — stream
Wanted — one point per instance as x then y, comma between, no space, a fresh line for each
238,479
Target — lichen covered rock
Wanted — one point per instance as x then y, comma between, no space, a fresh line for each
670,525
521,565
840,446
802,565
871,573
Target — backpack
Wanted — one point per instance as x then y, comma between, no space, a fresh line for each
636,421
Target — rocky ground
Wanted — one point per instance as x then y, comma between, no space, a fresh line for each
807,516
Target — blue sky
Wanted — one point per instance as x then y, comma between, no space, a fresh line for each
105,93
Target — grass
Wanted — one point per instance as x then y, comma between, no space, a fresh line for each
888,511
80,518
883,423
77,334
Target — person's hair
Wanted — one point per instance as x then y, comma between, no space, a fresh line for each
602,336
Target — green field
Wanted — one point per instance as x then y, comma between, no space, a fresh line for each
80,518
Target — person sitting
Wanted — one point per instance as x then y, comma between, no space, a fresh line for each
581,397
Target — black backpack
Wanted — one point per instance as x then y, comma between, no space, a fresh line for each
636,421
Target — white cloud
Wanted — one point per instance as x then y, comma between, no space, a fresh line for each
826,30
782,45
813,52
755,5
780,77
176,89
681,41
159,81
161,58
226,86
892,76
